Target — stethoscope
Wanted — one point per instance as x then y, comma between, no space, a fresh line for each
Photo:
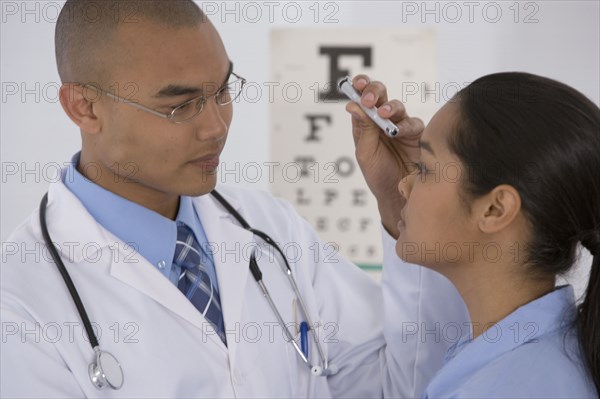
106,371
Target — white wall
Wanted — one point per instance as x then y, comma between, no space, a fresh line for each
561,41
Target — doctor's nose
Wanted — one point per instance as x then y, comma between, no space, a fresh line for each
213,122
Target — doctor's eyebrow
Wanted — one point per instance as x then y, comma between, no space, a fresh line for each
177,90
426,146
174,90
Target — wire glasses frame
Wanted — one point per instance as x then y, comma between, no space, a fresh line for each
182,113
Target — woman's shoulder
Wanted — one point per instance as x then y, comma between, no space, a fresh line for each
549,367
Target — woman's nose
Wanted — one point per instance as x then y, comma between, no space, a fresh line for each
406,183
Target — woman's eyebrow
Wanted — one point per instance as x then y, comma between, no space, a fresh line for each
426,146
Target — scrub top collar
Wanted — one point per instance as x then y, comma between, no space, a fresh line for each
552,312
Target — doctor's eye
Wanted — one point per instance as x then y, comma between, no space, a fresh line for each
188,109
183,107
223,96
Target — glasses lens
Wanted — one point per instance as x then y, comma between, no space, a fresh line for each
226,95
187,110
231,91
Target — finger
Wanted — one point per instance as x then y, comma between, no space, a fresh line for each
360,82
393,110
356,130
359,116
363,84
367,141
410,128
354,111
362,125
374,94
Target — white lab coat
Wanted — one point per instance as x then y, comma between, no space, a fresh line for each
160,338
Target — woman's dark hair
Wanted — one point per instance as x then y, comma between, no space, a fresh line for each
543,138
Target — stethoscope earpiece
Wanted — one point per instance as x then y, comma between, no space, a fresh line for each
319,372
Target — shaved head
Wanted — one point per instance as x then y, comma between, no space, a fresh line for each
85,32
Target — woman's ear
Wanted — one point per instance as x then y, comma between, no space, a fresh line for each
498,209
78,103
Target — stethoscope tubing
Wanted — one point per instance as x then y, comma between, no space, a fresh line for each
65,275
258,277
96,373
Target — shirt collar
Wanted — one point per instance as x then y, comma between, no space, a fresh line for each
552,312
187,214
149,233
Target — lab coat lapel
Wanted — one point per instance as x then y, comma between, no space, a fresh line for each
127,265
140,274
228,240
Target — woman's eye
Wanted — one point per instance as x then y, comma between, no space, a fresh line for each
421,169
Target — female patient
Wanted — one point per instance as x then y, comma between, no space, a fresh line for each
507,186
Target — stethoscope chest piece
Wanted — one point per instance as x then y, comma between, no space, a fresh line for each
106,371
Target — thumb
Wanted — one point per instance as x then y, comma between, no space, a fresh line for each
367,141
364,131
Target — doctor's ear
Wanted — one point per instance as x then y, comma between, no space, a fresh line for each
78,102
498,209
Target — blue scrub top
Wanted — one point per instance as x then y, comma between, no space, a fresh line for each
532,353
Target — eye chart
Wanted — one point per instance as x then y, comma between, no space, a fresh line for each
312,149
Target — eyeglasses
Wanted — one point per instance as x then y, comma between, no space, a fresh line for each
225,95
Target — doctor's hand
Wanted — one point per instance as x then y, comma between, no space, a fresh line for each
384,161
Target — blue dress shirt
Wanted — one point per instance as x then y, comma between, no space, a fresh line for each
532,353
152,235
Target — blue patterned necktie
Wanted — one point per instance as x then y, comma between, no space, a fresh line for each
194,281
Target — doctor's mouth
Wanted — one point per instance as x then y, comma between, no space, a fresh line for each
208,163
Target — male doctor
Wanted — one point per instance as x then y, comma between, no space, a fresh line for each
152,98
